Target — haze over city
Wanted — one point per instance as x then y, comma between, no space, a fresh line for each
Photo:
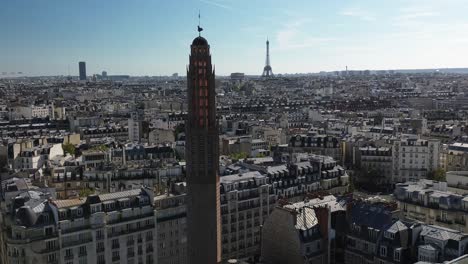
149,37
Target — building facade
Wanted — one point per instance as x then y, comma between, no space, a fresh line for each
414,158
82,70
431,203
247,200
202,154
110,228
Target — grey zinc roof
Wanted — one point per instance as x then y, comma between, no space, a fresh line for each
441,233
397,226
241,177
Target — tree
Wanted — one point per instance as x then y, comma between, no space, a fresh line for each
69,148
378,119
437,175
238,156
86,192
180,128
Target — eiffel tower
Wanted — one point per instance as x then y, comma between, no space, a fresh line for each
267,72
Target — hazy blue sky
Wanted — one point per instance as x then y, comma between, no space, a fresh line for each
152,37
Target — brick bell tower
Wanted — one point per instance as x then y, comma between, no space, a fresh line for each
202,154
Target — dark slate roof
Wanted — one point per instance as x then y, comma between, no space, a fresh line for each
25,216
200,41
371,215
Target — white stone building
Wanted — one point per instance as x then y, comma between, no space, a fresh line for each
414,158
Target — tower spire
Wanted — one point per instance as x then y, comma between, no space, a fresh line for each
267,71
200,29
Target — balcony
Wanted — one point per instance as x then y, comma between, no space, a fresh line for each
445,221
121,219
69,243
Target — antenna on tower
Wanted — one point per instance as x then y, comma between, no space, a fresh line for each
200,29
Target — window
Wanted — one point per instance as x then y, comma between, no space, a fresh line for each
115,255
383,251
130,252
51,244
49,231
101,259
99,234
100,247
82,250
149,236
397,255
389,235
115,243
51,257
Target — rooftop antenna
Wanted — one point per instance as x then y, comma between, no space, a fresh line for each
200,29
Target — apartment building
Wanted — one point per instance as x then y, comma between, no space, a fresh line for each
297,235
113,178
430,202
171,215
109,228
414,158
456,157
119,133
247,199
320,144
310,231
378,159
36,157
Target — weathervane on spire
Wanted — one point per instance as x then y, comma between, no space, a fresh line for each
200,29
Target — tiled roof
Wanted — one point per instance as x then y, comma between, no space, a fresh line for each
119,195
69,203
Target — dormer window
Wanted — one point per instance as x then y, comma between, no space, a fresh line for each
95,208
389,235
46,218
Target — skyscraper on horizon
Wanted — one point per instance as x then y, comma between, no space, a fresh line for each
82,69
202,154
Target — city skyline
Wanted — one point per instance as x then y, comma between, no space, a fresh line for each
147,38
